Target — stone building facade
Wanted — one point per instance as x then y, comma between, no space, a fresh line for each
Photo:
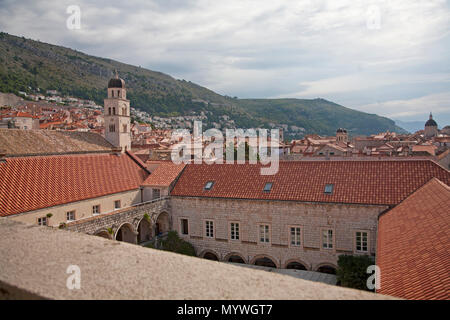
283,247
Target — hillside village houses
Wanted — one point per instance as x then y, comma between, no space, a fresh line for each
303,217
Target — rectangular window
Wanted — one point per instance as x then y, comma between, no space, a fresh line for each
295,236
268,187
328,189
209,225
209,185
184,226
234,231
362,241
42,221
327,239
116,204
96,209
70,215
156,193
264,233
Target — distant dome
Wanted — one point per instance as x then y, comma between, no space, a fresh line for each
341,130
431,122
116,83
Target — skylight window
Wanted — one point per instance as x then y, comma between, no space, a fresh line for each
209,185
329,188
268,187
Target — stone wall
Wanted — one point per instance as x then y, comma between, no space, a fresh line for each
344,219
36,263
131,217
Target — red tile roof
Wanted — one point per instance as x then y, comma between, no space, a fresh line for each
365,182
413,249
30,183
164,174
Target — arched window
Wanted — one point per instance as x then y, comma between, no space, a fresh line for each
114,110
109,110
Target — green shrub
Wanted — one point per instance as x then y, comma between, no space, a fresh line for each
352,271
175,244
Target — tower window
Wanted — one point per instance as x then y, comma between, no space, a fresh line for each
109,110
114,110
112,128
124,128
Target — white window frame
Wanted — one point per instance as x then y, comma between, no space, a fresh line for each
264,233
367,241
329,244
235,231
69,213
209,229
298,236
42,221
98,212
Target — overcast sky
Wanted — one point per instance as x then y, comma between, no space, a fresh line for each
387,57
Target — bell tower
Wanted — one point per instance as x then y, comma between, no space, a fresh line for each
117,115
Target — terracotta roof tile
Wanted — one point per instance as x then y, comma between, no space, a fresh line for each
30,183
365,182
413,249
164,174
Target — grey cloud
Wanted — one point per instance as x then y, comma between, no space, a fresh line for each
261,48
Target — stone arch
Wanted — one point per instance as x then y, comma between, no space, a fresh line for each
144,230
234,256
210,255
326,267
103,233
265,260
126,233
296,264
162,223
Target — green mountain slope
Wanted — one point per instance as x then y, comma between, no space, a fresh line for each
27,63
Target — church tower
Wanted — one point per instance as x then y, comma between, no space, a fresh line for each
431,127
341,135
117,115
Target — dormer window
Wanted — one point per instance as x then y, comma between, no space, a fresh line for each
329,188
209,185
268,187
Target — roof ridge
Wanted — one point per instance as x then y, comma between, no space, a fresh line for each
137,160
